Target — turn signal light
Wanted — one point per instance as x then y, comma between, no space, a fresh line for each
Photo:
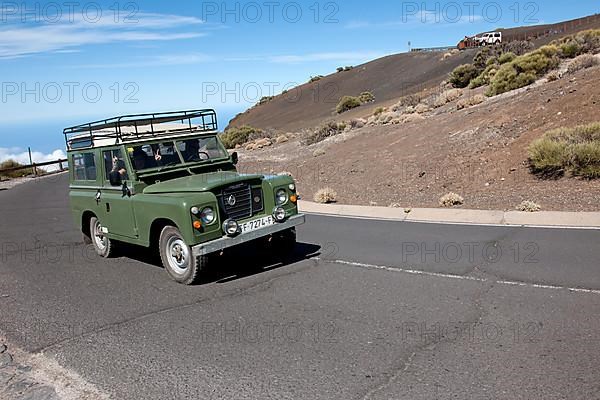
293,198
197,224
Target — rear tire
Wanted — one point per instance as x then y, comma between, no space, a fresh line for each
177,257
102,244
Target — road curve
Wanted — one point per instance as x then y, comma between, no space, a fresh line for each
367,310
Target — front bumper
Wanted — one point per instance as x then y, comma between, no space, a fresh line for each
226,242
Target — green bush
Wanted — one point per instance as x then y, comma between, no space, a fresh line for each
524,70
463,75
366,97
325,131
570,49
580,43
481,59
340,69
485,77
507,57
238,136
575,150
347,103
315,78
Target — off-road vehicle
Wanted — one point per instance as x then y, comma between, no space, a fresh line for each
165,181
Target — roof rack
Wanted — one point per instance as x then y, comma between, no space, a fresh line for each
140,126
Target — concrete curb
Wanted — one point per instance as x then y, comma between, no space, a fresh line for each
550,219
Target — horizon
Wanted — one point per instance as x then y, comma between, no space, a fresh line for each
65,65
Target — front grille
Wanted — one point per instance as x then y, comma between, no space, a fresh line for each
243,201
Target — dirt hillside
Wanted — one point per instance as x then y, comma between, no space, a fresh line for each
479,153
387,78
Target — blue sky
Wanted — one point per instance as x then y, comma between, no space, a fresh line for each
66,63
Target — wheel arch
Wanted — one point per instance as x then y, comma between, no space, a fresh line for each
156,228
86,217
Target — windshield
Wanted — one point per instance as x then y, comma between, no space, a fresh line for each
174,153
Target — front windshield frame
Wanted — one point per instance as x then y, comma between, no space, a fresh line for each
151,147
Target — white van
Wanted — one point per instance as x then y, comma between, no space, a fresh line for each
489,38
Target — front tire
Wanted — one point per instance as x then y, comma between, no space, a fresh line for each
177,257
102,244
284,243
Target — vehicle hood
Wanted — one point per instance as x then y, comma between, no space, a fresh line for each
199,183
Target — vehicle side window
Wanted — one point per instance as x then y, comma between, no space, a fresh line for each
113,161
497,35
84,167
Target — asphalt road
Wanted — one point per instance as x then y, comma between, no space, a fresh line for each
368,310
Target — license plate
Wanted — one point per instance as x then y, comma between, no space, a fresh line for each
257,224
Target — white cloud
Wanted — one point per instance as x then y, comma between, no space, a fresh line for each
22,156
342,57
23,39
154,61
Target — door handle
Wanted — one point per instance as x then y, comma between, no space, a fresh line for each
98,197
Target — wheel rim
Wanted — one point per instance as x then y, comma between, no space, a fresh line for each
178,255
100,240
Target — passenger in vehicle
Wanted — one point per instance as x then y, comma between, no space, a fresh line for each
140,159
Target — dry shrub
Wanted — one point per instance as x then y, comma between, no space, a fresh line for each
366,97
553,76
528,206
379,110
347,103
357,123
407,101
408,118
447,97
325,131
575,150
282,139
318,152
15,174
582,62
238,136
422,108
579,43
451,199
325,196
470,101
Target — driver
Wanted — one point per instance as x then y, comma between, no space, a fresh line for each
192,150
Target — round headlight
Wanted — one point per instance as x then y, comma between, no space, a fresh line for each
207,216
195,210
231,227
281,197
279,214
292,187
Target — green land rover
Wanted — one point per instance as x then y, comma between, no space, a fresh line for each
166,181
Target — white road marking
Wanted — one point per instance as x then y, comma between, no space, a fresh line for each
461,277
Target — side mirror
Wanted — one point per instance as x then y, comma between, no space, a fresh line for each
125,190
115,178
235,158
